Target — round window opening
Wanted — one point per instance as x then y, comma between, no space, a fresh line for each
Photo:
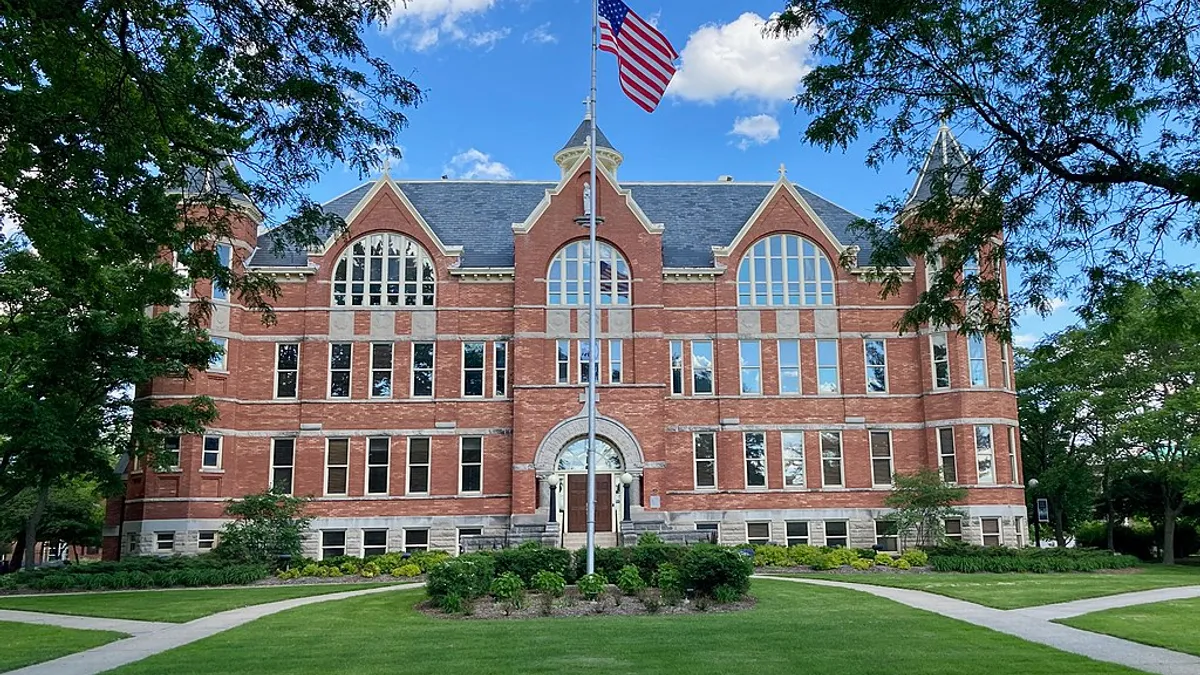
574,456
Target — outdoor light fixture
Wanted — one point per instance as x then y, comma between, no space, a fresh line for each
553,480
626,479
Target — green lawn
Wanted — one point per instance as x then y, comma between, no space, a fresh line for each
1172,624
1013,591
795,628
176,606
23,644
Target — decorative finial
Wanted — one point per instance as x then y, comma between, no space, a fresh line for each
587,109
782,170
944,121
387,165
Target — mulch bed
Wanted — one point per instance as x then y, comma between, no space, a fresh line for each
571,604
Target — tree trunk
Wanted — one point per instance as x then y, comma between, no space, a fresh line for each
1060,537
31,525
1109,525
18,555
1168,552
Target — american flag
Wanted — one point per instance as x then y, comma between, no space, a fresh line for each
645,56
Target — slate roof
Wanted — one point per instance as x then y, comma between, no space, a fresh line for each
947,160
579,138
197,181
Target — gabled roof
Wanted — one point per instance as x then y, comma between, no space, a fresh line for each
579,138
946,160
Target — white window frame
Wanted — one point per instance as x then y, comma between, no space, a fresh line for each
224,260
890,457
845,524
943,455
159,541
346,466
208,537
881,538
482,369
790,539
1014,470
500,369
790,292
377,370
593,361
755,368
422,290
789,368
408,465
290,467
432,370
348,370
675,366
823,366
953,536
697,460
710,368
562,366
977,356
879,367
219,363
936,339
386,465
579,252
278,371
747,459
758,540
177,451
409,548
999,534
325,547
204,453
841,460
989,453
364,546
463,464
795,441
616,361
1006,373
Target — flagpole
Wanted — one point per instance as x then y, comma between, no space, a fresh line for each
593,314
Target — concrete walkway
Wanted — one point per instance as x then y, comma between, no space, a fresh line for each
1066,610
126,626
168,636
1034,628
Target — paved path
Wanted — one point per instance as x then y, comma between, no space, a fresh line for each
1065,610
1032,627
169,636
84,622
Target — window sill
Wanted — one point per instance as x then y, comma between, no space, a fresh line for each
212,470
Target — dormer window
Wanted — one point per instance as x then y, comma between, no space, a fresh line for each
384,270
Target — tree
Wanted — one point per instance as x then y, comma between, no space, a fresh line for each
922,501
269,525
73,515
1083,117
118,120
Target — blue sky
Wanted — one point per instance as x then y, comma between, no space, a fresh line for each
506,79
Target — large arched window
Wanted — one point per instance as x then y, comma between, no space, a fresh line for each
569,281
384,270
785,269
574,456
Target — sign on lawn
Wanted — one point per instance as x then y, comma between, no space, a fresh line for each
1043,510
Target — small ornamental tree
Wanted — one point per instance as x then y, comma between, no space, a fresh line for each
922,501
269,525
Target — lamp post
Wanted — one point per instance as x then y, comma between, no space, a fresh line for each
553,482
626,480
1037,520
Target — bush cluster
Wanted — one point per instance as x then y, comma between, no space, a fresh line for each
826,558
191,571
965,558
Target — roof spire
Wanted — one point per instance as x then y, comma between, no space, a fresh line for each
946,160
782,170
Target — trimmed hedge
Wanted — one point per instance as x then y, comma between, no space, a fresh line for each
964,558
61,580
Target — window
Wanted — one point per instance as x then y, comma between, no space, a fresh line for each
564,361
704,448
881,458
797,533
384,270
941,361
789,366
1019,530
933,265
1004,371
970,267
333,543
337,465
991,531
587,368
616,361
219,362
287,369
827,367
954,529
677,367
133,542
876,359
887,535
1012,457
164,541
758,533
756,459
793,459
374,543
467,532
340,357
831,459
715,528
784,269
416,540
750,358
378,455
283,463
418,466
949,462
569,281
471,478
207,540
170,451
835,534
381,370
500,369
224,259
422,370
473,368
702,367
985,458
210,458
977,360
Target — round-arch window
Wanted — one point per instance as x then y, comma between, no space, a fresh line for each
569,280
785,269
574,456
384,270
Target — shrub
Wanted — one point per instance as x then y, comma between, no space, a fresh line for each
803,554
427,560
407,570
706,566
350,567
964,558
826,561
651,602
268,525
845,556
647,558
369,570
916,557
630,581
591,586
902,564
724,595
509,590
865,553
884,559
670,583
609,561
861,564
288,575
530,558
649,539
310,570
771,556
551,584
468,577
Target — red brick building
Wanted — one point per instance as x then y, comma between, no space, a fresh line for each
424,381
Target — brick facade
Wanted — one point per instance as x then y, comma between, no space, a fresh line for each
524,428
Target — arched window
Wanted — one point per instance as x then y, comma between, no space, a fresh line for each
384,270
569,281
785,269
574,456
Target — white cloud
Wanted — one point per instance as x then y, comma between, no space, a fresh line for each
756,130
737,60
540,35
487,38
425,23
1025,340
1057,304
476,165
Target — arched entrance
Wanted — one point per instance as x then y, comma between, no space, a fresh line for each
571,470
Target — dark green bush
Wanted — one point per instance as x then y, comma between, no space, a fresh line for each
649,557
630,580
467,577
704,567
670,583
549,583
591,586
530,558
609,561
965,558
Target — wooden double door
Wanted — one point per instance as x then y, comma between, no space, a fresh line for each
577,502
